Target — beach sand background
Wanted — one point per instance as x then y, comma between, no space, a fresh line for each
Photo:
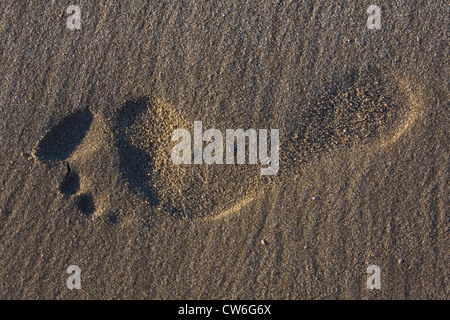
85,177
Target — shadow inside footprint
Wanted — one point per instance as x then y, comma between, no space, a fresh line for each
85,204
135,164
143,136
62,140
112,218
70,184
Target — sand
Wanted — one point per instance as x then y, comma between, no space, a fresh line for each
86,176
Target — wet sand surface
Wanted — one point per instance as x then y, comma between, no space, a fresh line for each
86,177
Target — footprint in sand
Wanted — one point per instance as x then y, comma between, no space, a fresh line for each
362,110
371,110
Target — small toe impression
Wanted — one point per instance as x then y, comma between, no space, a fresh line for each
86,204
70,184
